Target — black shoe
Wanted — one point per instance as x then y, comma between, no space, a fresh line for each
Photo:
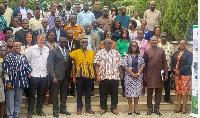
65,112
149,112
29,115
55,114
40,113
157,112
73,94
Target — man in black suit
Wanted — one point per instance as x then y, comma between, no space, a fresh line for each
58,29
20,36
71,45
58,61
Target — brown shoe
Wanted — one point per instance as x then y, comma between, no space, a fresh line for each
102,111
79,112
90,112
114,111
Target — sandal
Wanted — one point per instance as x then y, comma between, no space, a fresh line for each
175,111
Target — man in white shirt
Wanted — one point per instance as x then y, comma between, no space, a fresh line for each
37,56
35,23
22,9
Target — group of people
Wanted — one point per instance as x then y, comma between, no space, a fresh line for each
51,49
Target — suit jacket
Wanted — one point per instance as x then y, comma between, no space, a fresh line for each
185,62
63,33
94,41
20,36
57,66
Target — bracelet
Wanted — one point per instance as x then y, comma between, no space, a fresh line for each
138,74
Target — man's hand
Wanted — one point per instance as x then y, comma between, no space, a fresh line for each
121,76
8,86
55,81
145,79
166,78
29,75
74,80
98,79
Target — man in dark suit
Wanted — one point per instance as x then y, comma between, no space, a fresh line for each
20,36
22,9
71,45
58,29
58,61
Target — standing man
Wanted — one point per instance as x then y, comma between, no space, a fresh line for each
93,39
35,23
96,30
107,66
43,29
43,14
16,72
168,52
85,16
8,12
37,56
123,18
58,62
97,13
2,18
105,22
20,36
152,16
52,17
77,29
147,33
155,61
77,10
58,29
67,12
136,18
22,9
83,74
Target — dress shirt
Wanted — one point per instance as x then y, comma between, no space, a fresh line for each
85,17
38,60
35,23
57,34
105,23
89,42
109,62
23,12
169,50
77,29
153,19
63,52
124,20
41,31
51,21
8,14
97,14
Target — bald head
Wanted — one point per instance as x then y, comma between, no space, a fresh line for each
2,9
154,41
123,10
87,28
44,22
152,5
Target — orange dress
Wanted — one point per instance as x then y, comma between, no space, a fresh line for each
182,82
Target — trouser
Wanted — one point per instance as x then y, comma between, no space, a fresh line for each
13,102
62,85
72,89
84,84
167,88
122,82
158,94
104,87
36,83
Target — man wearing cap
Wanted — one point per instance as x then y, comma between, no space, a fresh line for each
83,74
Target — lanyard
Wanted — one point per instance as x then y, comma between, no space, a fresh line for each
70,46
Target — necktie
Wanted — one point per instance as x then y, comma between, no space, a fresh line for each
64,54
45,30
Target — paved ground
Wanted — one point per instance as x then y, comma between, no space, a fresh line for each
165,114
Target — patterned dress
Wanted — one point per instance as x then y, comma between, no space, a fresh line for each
133,86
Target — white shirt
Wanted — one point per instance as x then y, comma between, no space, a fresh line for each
58,34
37,58
89,42
23,12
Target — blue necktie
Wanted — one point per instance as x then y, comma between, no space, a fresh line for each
64,54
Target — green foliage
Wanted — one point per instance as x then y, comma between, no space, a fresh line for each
179,18
15,4
195,104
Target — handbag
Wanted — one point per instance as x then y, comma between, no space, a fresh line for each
172,81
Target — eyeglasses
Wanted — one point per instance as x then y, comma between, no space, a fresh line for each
182,44
84,42
108,34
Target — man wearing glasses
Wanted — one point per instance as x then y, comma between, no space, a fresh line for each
83,74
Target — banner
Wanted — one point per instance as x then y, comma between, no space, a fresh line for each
195,75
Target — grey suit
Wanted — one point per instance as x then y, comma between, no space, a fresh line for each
57,67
